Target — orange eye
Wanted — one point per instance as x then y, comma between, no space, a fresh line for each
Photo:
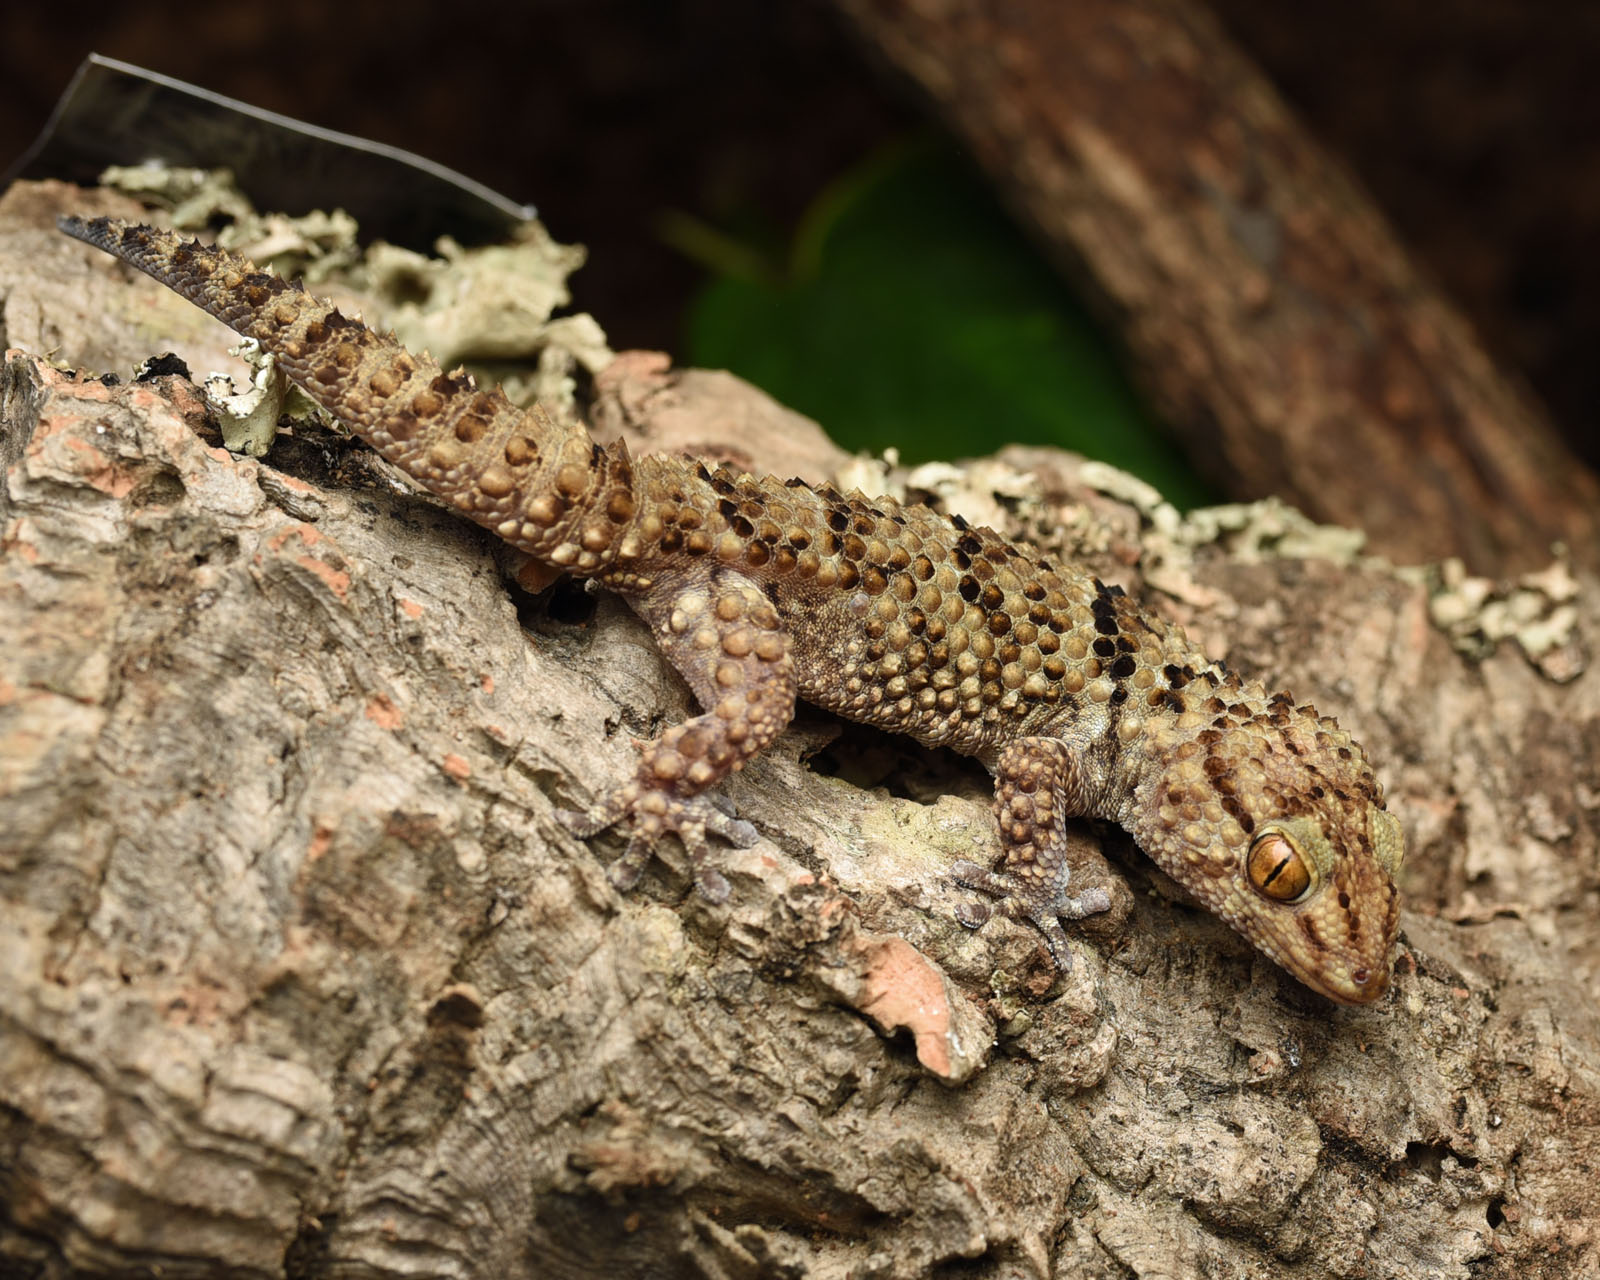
1278,870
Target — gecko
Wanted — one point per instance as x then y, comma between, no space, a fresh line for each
761,592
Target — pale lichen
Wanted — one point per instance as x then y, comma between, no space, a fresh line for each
1538,610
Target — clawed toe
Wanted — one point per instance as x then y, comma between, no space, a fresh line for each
1021,899
1091,902
627,869
737,832
650,816
711,883
972,876
584,823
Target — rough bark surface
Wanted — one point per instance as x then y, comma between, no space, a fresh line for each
299,977
1263,299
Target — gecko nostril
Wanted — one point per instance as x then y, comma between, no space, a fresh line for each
1360,976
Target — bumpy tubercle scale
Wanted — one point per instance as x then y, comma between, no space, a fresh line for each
760,591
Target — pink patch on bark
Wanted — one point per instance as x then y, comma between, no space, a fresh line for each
900,988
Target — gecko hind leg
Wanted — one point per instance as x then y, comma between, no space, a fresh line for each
723,635
1038,784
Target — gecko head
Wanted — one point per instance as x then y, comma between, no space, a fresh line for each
1278,826
1325,903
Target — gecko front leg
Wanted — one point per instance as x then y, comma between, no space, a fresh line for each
1039,783
723,636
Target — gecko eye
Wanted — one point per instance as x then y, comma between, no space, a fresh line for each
1277,869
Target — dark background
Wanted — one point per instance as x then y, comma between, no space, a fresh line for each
1472,121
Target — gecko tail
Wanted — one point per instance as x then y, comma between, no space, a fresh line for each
544,487
80,228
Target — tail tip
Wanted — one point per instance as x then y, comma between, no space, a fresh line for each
90,230
101,232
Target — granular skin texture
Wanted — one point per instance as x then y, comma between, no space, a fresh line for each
762,591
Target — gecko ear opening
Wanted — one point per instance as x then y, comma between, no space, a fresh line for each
1277,869
1388,840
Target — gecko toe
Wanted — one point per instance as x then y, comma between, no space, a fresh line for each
1055,937
1091,902
737,832
584,823
971,876
626,870
972,914
711,883
648,816
1021,899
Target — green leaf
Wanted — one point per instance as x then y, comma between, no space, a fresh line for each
912,314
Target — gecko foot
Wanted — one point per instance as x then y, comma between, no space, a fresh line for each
1020,898
652,814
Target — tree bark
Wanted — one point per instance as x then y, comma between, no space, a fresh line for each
300,977
1263,300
